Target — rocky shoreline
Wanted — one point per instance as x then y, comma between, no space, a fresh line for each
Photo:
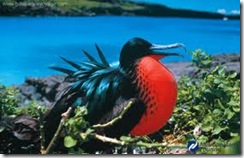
48,89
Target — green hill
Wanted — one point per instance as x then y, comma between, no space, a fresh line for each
96,7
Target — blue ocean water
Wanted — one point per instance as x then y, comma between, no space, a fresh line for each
29,45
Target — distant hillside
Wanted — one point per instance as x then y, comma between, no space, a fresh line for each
97,7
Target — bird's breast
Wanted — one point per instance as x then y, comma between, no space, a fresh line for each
157,89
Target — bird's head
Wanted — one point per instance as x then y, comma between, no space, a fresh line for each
137,48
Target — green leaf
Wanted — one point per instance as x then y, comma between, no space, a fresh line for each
83,136
233,103
229,113
217,130
89,131
202,139
221,70
217,112
206,127
207,91
197,108
126,139
215,69
1,128
236,108
69,142
234,139
184,92
217,81
70,121
234,134
220,105
233,74
206,62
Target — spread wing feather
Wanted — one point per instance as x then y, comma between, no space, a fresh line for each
95,82
102,57
89,57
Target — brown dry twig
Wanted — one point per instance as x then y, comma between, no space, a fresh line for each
42,132
65,116
116,119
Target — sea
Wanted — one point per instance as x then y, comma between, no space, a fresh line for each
29,45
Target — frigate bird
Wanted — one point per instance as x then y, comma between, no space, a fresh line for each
140,77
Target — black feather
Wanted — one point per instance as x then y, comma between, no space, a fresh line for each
102,57
100,88
63,70
89,57
92,65
71,63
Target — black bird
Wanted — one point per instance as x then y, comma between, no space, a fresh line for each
140,78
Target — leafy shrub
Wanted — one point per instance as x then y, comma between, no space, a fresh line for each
211,101
31,109
10,105
8,100
77,131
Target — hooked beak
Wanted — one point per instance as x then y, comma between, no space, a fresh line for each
156,47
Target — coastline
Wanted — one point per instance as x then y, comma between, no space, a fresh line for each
101,8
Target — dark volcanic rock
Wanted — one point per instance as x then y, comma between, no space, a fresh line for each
231,61
45,90
181,68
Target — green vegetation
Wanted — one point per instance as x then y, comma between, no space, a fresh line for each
207,110
210,101
8,100
76,4
81,7
10,105
97,7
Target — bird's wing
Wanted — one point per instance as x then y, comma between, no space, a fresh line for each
94,84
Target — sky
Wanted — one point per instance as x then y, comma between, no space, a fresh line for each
221,6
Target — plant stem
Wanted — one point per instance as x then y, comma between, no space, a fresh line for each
124,143
179,137
65,116
109,140
42,132
116,119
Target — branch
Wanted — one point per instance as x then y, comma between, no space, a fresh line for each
116,119
42,132
124,143
65,116
108,140
179,137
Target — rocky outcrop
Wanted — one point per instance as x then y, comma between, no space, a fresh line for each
48,89
231,61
